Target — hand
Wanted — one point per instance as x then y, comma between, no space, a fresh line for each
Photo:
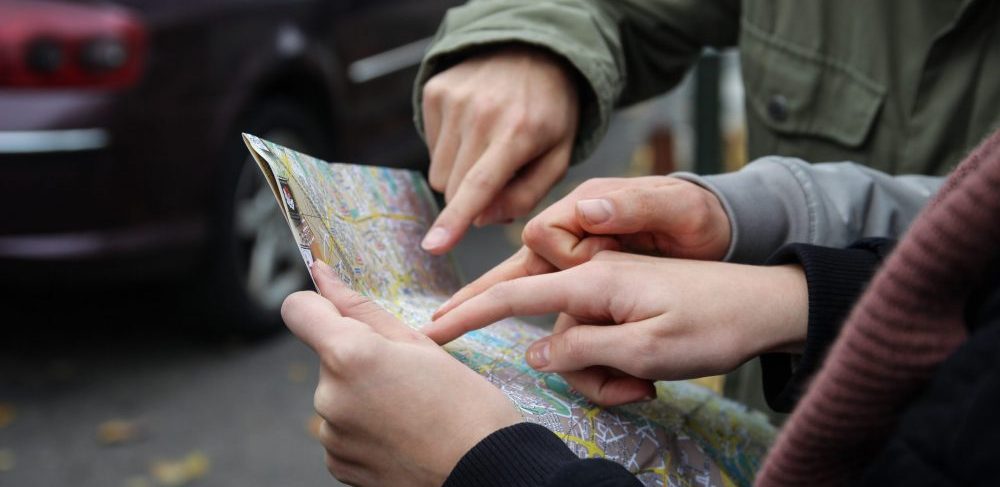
645,317
382,388
500,128
656,215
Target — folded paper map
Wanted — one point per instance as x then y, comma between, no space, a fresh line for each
367,222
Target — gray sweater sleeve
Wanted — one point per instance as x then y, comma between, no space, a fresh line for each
778,200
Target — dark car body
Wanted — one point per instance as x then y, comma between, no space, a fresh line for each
124,182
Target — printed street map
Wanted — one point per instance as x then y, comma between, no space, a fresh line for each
367,222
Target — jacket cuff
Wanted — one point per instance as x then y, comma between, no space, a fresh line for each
835,279
766,206
527,454
468,29
520,455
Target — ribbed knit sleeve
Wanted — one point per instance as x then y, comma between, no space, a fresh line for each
835,278
909,321
527,454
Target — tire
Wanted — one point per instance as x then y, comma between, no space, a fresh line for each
254,260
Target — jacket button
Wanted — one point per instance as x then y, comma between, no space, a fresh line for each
777,108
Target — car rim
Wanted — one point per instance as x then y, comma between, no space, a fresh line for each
271,262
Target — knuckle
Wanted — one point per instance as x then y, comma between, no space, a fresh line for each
434,90
533,234
695,203
323,401
353,355
478,181
573,346
325,435
341,471
520,122
484,109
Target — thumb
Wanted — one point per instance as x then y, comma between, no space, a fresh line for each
622,212
579,347
580,355
677,211
317,322
353,305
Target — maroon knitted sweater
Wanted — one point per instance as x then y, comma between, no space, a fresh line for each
903,327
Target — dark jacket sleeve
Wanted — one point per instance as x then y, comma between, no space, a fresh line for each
836,279
527,454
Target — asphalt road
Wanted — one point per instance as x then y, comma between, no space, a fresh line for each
115,387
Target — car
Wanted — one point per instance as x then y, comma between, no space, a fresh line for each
120,125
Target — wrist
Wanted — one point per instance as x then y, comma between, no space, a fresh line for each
786,320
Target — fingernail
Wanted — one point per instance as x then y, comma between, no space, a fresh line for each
595,211
538,354
435,238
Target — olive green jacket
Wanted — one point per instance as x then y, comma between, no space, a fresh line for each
904,86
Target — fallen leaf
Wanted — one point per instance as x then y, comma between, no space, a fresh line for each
138,481
7,414
7,460
313,425
175,473
298,372
117,431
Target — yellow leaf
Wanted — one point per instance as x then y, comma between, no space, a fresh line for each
313,425
7,460
175,473
117,431
138,481
7,414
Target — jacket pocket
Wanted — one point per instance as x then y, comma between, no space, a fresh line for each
796,91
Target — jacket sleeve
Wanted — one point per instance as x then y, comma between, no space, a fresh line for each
835,279
778,200
527,455
623,50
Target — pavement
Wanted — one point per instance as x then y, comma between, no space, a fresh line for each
116,387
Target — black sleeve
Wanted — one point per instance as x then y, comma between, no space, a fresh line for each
836,279
527,454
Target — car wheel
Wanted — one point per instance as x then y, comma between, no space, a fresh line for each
256,261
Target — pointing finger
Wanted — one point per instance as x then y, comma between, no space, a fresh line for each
569,291
477,189
523,263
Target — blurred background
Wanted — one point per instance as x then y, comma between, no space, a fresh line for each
144,260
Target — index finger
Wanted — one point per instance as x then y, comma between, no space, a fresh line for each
523,263
565,291
479,187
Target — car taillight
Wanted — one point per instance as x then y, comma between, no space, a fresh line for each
52,44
